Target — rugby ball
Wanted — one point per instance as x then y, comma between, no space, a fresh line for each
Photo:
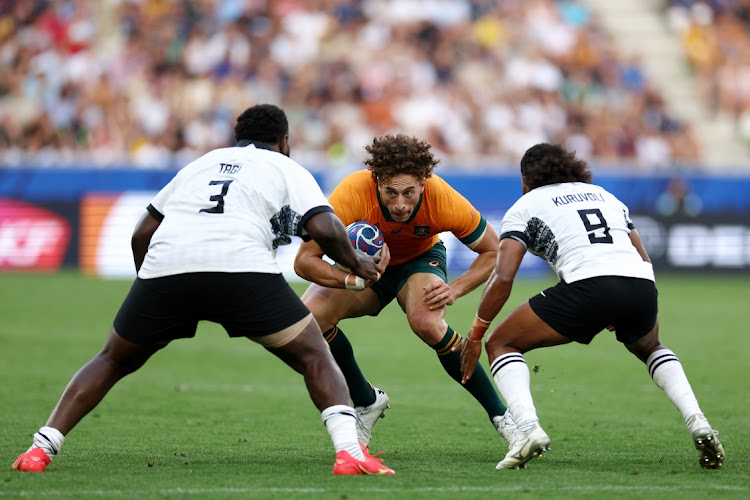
366,238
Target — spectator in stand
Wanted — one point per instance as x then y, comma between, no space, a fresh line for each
151,83
716,40
678,200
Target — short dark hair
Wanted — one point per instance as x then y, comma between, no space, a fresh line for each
263,122
545,164
400,154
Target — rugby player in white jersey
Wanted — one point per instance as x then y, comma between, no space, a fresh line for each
606,281
205,250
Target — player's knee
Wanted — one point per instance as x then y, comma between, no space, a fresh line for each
645,346
427,328
498,343
324,311
319,362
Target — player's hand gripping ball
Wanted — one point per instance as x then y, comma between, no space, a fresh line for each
366,238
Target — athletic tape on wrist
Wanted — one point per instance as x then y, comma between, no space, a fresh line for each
476,334
478,329
359,283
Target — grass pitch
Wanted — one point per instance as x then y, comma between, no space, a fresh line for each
218,418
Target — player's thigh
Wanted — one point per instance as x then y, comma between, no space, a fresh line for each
331,305
158,310
299,344
428,324
522,330
126,355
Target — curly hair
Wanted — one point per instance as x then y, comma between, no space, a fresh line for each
400,154
545,164
262,122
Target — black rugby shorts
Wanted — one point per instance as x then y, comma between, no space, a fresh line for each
250,305
582,309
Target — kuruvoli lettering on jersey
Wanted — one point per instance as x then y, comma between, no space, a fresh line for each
575,198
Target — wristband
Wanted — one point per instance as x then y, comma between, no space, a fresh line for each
483,320
478,329
359,283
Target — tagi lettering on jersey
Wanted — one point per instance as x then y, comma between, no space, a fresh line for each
574,198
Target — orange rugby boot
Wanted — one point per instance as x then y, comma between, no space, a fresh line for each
346,465
35,460
366,452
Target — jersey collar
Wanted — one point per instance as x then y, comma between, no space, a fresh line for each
387,214
257,144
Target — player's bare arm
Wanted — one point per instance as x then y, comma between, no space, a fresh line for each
309,265
141,238
635,238
494,297
440,294
329,238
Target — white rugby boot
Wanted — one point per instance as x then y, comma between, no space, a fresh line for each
368,415
527,445
706,440
506,427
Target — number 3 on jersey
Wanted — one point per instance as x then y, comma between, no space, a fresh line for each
592,227
218,198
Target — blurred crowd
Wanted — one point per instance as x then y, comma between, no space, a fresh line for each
156,83
716,39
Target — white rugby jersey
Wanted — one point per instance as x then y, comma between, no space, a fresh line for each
580,229
229,210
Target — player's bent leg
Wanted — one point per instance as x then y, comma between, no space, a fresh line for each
93,381
521,331
668,374
329,306
360,389
647,344
307,353
430,326
369,402
117,358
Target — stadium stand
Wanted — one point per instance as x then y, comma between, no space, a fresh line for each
154,83
715,37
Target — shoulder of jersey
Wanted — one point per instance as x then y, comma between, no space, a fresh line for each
358,178
360,175
435,185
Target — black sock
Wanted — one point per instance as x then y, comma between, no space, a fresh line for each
479,385
360,389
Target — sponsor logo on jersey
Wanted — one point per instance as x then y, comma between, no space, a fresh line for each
421,230
434,263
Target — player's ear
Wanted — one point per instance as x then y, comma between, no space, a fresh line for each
284,147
